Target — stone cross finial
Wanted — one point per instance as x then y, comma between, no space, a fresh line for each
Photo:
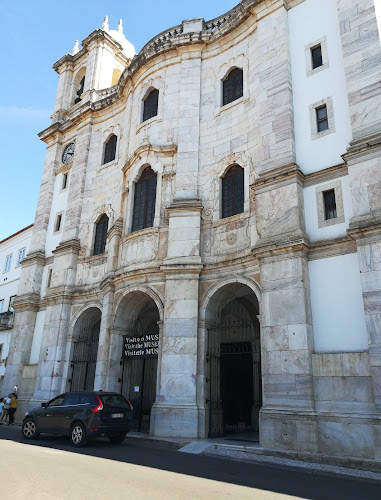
75,48
119,29
105,24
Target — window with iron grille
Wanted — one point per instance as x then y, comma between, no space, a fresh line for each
101,235
322,118
329,198
317,57
144,201
233,86
150,105
233,192
110,149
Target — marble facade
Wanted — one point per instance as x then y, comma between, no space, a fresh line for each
326,402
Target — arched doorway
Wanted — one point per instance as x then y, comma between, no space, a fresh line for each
233,363
85,350
138,319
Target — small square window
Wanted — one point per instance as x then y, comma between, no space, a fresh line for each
58,222
317,57
64,181
329,199
8,262
322,118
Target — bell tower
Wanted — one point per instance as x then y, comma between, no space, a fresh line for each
97,65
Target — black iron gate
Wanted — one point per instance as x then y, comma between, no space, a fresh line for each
140,356
234,389
84,357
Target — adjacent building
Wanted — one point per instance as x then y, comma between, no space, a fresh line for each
207,237
12,252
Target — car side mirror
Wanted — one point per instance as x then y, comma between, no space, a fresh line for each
44,405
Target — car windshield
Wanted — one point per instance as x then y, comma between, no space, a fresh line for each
114,401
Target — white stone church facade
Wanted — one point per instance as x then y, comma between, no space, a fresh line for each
208,232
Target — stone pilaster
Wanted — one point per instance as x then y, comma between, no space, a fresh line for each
103,356
77,181
175,412
287,419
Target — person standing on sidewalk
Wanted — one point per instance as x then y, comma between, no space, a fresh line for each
4,415
12,408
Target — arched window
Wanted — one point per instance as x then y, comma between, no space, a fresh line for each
150,105
233,86
232,192
110,149
79,85
144,201
101,235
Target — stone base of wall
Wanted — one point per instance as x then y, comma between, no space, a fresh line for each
351,437
27,382
174,421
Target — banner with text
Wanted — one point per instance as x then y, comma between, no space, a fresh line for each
145,345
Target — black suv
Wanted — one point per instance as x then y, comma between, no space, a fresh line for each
81,416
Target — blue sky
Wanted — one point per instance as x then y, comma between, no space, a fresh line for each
37,33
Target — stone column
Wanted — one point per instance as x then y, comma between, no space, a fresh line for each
287,418
103,356
29,290
175,412
362,63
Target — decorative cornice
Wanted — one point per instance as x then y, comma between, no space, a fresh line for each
278,175
27,302
68,246
146,149
185,205
282,244
37,257
332,248
363,149
365,227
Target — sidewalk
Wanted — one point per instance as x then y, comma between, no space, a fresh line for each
249,451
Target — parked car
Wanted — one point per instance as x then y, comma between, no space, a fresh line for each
81,416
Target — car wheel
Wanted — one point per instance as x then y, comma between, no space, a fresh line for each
116,438
29,429
78,435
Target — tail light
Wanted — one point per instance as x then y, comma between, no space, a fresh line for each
99,407
130,404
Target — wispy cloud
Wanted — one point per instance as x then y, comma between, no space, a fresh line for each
24,115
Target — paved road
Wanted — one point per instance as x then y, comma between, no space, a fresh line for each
51,468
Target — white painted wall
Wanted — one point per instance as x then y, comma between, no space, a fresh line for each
37,338
59,204
337,305
308,22
9,280
311,215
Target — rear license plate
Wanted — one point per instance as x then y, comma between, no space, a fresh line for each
117,415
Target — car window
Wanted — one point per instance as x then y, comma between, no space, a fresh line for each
71,399
85,399
114,401
56,401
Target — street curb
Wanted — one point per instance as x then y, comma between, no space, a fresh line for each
176,445
260,458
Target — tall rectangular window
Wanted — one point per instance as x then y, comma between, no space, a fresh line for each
330,211
21,256
1,305
317,57
11,300
8,261
322,118
58,222
64,181
49,278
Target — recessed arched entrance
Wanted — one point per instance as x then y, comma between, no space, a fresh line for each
233,362
85,350
137,320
